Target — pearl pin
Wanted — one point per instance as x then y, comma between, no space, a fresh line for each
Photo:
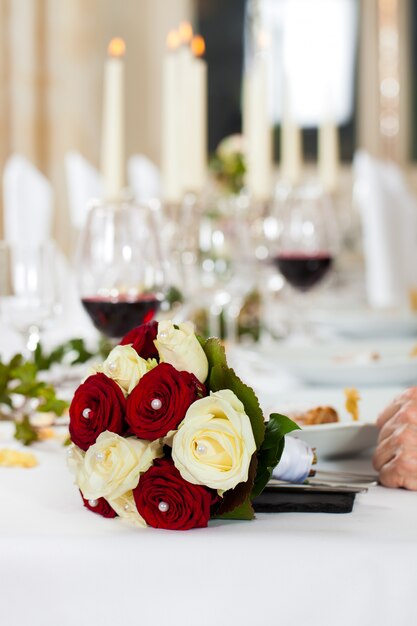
201,449
163,334
126,507
156,404
99,456
112,366
163,506
86,413
93,503
70,453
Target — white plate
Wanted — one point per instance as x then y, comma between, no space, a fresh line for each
367,323
346,364
344,438
339,439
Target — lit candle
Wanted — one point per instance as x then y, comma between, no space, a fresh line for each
171,115
256,126
185,87
291,142
113,139
197,124
328,156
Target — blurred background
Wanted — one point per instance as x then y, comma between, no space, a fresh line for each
51,76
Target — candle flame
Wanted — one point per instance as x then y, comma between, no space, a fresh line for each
117,47
173,40
186,32
198,45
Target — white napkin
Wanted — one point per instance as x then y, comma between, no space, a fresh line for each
28,200
84,182
144,178
389,222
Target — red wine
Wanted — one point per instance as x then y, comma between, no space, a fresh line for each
303,270
115,317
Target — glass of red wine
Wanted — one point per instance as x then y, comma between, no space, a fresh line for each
306,243
120,267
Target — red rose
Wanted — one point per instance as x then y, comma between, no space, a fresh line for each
165,500
142,340
98,405
100,506
160,401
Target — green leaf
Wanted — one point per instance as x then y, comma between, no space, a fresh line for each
25,432
215,352
5,399
271,449
82,353
223,377
173,296
19,380
49,401
244,511
26,373
53,405
29,390
15,361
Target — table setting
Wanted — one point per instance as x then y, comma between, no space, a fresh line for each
191,401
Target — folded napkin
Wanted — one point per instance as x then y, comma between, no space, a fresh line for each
388,212
144,178
28,200
84,182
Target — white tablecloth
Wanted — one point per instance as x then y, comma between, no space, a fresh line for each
61,565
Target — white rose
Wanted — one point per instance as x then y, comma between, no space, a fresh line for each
181,348
125,507
113,464
214,443
231,145
126,367
75,459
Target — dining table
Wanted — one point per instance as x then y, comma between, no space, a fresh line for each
62,565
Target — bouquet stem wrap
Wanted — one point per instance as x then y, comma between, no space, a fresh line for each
296,461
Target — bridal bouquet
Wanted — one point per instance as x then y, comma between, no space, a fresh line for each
165,434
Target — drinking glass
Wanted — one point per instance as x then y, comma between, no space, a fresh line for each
226,264
305,243
29,289
120,268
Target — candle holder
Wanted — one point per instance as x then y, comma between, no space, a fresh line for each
120,266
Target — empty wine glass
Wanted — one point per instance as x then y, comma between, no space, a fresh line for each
29,289
305,243
226,264
120,269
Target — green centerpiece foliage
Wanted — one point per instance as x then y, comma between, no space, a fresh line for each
23,393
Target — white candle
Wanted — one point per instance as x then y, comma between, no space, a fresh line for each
186,94
113,131
197,124
328,156
171,115
291,142
257,130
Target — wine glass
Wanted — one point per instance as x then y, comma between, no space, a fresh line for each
29,289
226,264
120,269
304,244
